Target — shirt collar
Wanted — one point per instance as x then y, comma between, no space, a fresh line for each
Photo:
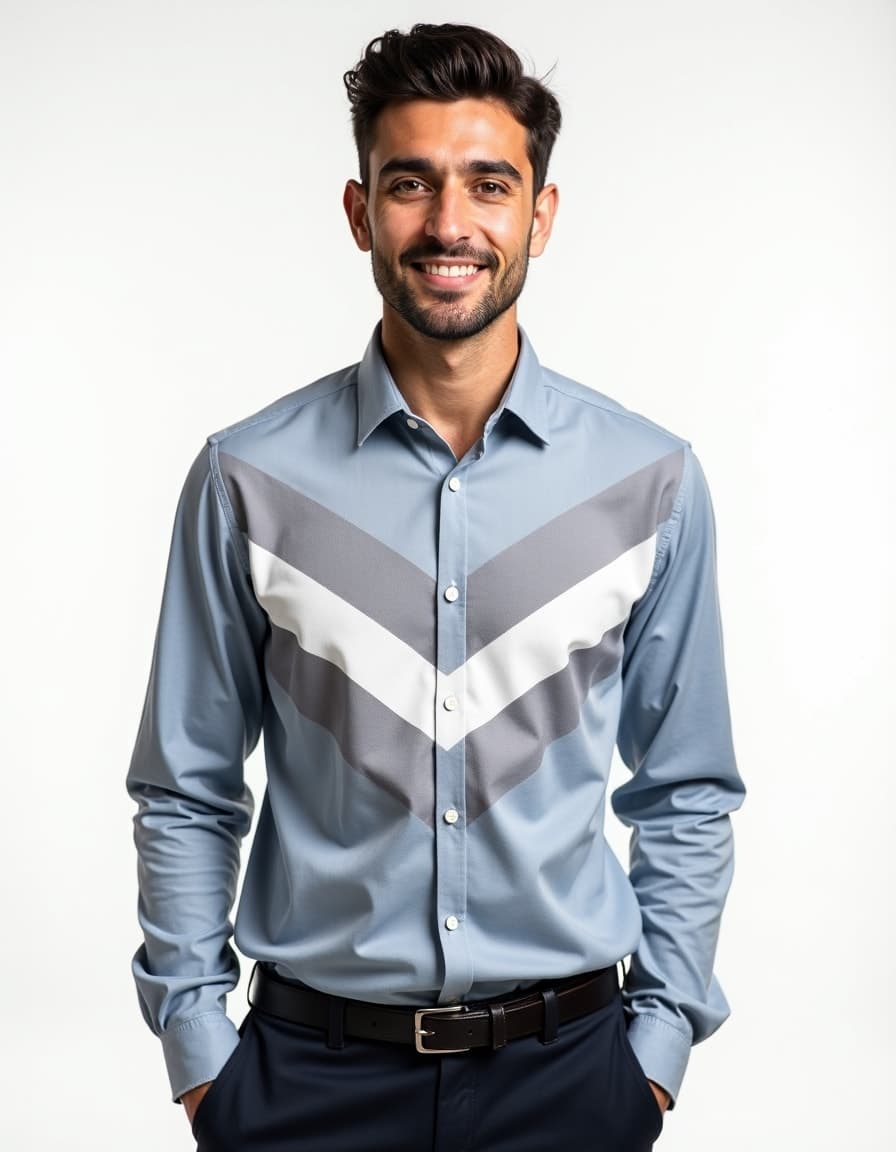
379,397
525,394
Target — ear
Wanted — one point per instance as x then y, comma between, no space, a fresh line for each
546,203
354,201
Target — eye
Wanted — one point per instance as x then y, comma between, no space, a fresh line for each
408,186
490,188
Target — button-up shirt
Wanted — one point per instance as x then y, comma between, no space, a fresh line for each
441,655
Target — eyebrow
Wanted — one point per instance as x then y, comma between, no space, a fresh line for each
424,167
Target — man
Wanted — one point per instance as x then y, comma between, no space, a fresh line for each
443,583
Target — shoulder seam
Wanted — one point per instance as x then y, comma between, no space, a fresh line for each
226,507
672,523
612,410
261,418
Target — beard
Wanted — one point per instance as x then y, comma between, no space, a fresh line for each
449,318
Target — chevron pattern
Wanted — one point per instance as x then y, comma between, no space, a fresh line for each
353,630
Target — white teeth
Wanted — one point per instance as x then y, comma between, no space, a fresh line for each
450,269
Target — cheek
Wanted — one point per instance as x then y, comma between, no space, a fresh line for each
507,234
395,229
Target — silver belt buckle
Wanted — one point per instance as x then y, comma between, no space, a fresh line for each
420,1031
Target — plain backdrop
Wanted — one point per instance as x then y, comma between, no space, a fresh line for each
173,255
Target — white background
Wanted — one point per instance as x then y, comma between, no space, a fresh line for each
173,256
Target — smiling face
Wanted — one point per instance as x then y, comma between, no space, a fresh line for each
448,214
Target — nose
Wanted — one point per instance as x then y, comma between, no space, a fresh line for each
448,220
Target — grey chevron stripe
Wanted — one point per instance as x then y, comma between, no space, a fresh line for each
344,558
579,542
507,750
372,739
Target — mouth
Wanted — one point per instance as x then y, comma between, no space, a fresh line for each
447,275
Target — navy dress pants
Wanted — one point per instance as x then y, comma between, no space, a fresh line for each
284,1090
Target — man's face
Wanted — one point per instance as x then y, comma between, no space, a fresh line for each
448,214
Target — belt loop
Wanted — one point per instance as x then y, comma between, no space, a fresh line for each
499,1025
551,1026
336,1023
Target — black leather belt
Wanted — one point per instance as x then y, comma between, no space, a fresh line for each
455,1028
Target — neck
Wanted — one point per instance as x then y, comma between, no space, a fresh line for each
454,385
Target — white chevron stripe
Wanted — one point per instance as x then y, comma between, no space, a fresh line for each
329,627
539,645
373,657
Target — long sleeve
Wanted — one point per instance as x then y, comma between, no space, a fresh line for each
675,738
201,718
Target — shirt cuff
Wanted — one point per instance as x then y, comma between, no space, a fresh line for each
662,1051
197,1050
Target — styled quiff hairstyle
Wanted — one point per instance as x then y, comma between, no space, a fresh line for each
449,62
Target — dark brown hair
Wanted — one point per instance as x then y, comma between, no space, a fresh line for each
449,62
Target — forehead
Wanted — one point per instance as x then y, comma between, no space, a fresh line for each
448,133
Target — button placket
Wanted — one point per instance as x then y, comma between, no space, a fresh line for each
449,829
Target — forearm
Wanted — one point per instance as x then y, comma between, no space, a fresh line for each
681,871
188,866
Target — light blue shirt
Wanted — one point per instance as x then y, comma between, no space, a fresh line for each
441,655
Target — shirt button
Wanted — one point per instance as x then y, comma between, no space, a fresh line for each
454,484
451,816
451,593
450,703
451,922
412,423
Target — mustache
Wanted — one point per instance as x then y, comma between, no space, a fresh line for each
421,253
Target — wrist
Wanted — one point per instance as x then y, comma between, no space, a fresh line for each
663,1098
192,1099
